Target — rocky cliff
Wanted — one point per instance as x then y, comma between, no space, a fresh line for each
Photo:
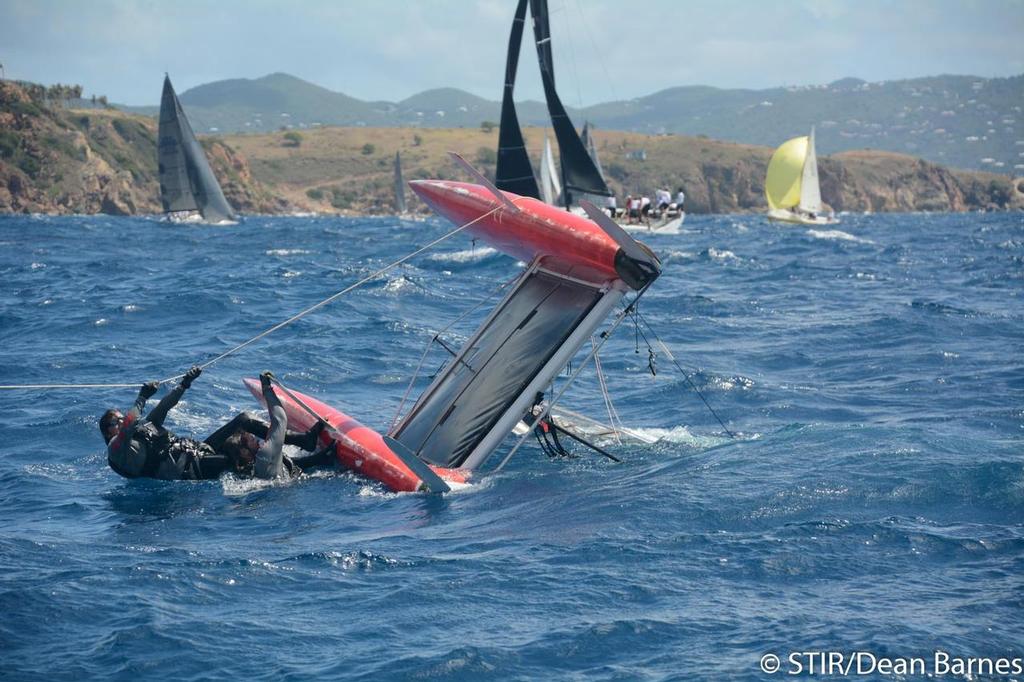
57,160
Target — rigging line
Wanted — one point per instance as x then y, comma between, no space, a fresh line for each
436,337
45,386
551,403
612,415
665,350
598,50
330,430
280,325
563,10
346,290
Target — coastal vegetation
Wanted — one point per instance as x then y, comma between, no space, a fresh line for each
60,159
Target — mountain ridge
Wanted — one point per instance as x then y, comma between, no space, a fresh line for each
961,121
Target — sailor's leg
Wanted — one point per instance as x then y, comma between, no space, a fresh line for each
246,421
269,458
325,456
213,465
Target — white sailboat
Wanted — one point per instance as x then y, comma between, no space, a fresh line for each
550,188
791,186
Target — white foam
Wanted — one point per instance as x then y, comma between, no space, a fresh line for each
837,235
398,285
723,254
464,256
235,487
681,435
286,252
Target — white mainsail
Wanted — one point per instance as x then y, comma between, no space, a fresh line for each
810,192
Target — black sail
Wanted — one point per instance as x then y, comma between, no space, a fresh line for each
579,174
186,181
514,173
399,185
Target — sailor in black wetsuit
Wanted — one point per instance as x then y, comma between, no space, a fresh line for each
143,448
267,460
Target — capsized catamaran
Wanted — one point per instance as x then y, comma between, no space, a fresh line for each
791,185
188,188
578,271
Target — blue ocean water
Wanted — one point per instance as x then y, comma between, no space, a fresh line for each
872,499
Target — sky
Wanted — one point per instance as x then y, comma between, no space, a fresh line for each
604,50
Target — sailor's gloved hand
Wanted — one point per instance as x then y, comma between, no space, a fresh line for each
191,375
265,380
148,389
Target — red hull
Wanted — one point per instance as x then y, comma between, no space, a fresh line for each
357,447
568,243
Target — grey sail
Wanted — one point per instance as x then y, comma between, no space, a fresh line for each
588,143
514,172
489,386
186,181
399,185
579,174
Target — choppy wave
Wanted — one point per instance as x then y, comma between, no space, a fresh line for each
873,478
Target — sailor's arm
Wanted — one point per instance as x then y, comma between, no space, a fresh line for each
159,413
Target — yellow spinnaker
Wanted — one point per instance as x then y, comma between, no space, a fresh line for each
782,186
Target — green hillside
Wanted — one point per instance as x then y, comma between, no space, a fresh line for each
959,121
55,159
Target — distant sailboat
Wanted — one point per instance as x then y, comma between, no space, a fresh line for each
400,207
514,171
791,186
188,187
550,187
588,143
581,176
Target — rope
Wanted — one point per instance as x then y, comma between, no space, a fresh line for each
280,325
45,386
436,337
331,429
344,291
551,403
613,416
665,350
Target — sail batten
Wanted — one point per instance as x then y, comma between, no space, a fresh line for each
187,182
